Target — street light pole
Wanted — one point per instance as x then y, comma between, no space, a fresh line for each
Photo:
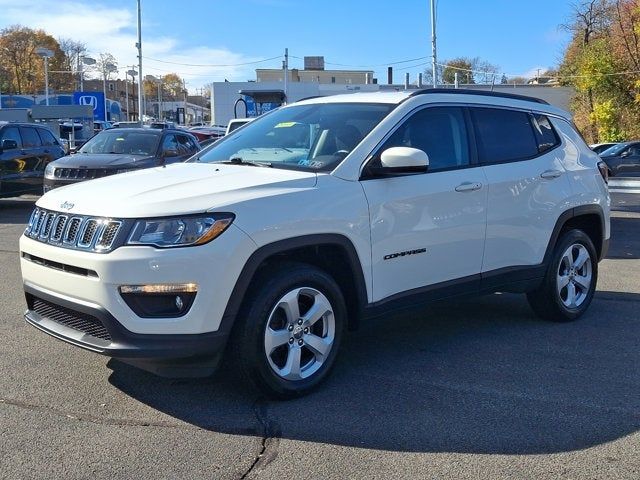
46,54
83,60
434,72
106,69
139,46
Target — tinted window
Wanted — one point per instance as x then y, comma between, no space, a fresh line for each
170,143
545,134
11,133
503,135
30,137
187,145
47,137
438,131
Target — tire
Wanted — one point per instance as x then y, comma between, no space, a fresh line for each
278,352
570,281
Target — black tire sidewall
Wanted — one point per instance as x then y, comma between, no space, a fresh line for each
271,287
571,238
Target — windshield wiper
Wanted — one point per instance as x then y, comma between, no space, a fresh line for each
241,161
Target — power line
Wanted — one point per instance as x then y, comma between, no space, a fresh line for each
213,64
369,66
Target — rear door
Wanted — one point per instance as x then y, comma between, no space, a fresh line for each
528,185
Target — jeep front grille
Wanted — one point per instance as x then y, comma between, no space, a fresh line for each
78,232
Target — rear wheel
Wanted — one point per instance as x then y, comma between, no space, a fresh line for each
570,280
289,331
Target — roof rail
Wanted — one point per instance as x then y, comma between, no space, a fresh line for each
487,93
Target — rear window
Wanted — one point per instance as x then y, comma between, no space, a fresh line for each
503,135
545,134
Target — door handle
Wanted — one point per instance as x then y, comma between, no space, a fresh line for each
468,187
550,174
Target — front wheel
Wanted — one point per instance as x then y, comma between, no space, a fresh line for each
570,281
289,331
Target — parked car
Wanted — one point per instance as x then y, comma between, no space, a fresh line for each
207,133
162,125
321,215
236,123
99,125
623,159
25,151
601,147
121,150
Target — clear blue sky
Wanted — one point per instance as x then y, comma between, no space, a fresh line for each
517,36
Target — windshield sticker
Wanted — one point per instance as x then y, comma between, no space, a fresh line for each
285,124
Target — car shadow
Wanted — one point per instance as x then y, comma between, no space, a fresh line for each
477,375
16,210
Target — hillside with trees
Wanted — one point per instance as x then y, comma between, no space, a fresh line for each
602,63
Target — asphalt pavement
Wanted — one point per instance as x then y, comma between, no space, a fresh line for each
473,388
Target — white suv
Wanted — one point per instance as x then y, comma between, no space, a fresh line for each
313,218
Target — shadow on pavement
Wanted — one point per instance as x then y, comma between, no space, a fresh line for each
16,210
476,376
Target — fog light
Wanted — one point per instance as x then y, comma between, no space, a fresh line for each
159,300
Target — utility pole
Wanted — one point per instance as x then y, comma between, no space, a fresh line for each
434,61
286,72
139,46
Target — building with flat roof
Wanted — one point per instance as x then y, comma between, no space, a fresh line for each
314,72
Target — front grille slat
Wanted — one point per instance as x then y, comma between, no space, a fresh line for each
76,232
79,321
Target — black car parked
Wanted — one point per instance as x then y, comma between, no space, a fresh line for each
25,151
121,150
623,159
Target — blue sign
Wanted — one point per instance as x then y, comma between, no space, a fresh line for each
254,110
95,99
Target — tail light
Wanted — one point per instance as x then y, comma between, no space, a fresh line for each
604,171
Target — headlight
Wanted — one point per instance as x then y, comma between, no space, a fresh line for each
179,231
49,171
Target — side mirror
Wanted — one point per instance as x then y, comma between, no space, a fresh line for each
170,153
401,160
626,153
9,144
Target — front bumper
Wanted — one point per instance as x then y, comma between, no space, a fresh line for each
93,328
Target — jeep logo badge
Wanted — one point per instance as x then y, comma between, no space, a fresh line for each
67,205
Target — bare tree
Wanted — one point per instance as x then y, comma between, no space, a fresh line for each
590,17
73,52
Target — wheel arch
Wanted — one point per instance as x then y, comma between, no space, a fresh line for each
333,253
588,218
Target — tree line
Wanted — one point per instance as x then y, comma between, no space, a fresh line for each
22,69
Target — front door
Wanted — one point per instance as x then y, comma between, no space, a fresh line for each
428,228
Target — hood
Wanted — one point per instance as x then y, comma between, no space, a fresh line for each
176,189
99,160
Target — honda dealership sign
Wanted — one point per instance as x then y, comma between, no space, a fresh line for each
94,99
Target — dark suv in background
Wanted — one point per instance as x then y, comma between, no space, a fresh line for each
25,151
119,150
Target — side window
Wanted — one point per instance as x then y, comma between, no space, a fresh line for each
47,137
503,135
30,137
187,145
170,143
545,134
11,133
438,131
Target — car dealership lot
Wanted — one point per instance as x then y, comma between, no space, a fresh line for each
478,388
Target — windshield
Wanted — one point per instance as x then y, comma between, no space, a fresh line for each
123,142
615,150
315,137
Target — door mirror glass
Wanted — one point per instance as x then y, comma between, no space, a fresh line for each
626,153
9,144
404,160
